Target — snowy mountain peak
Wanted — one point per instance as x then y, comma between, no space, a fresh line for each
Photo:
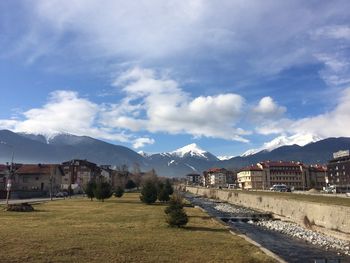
283,140
191,149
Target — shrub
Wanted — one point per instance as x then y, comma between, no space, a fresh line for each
149,192
119,191
102,191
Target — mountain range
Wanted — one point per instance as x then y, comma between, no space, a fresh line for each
31,148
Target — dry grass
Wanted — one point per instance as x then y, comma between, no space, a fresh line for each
118,230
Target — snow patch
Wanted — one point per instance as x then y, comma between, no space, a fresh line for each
191,149
225,157
171,162
194,169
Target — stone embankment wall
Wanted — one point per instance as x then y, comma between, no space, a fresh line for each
328,216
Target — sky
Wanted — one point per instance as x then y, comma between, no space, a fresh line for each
156,75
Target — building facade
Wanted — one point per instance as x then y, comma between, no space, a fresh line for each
38,177
250,177
338,170
77,173
318,176
265,174
193,179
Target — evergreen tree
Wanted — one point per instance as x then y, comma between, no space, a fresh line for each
89,189
102,191
175,214
163,195
168,187
149,192
119,191
175,203
130,184
177,218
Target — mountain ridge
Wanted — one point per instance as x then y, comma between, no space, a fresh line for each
188,159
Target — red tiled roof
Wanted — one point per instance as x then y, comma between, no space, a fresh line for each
280,164
251,168
216,170
36,168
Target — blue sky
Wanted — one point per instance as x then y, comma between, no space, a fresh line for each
157,75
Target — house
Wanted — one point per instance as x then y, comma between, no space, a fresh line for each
251,177
77,173
193,179
38,177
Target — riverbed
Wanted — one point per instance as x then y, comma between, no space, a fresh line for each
285,239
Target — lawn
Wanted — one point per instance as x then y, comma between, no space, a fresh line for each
117,230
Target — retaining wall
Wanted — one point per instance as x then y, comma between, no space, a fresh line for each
328,216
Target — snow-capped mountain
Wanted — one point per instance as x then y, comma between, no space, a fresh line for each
283,140
193,150
34,148
188,159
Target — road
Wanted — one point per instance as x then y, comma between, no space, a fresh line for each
31,200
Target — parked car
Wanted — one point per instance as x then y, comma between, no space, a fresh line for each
280,188
61,194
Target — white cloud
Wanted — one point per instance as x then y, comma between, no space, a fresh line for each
334,123
65,112
141,142
151,102
333,32
252,34
268,107
162,106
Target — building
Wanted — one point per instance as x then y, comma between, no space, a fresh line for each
338,170
292,174
250,177
77,173
193,179
318,176
265,174
4,171
38,177
217,177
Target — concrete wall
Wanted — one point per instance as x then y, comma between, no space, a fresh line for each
328,216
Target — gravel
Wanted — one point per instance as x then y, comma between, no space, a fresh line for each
234,209
307,235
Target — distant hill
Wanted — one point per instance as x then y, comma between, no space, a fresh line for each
30,148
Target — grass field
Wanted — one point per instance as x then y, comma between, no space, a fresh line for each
118,230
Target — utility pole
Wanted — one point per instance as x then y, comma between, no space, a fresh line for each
9,180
